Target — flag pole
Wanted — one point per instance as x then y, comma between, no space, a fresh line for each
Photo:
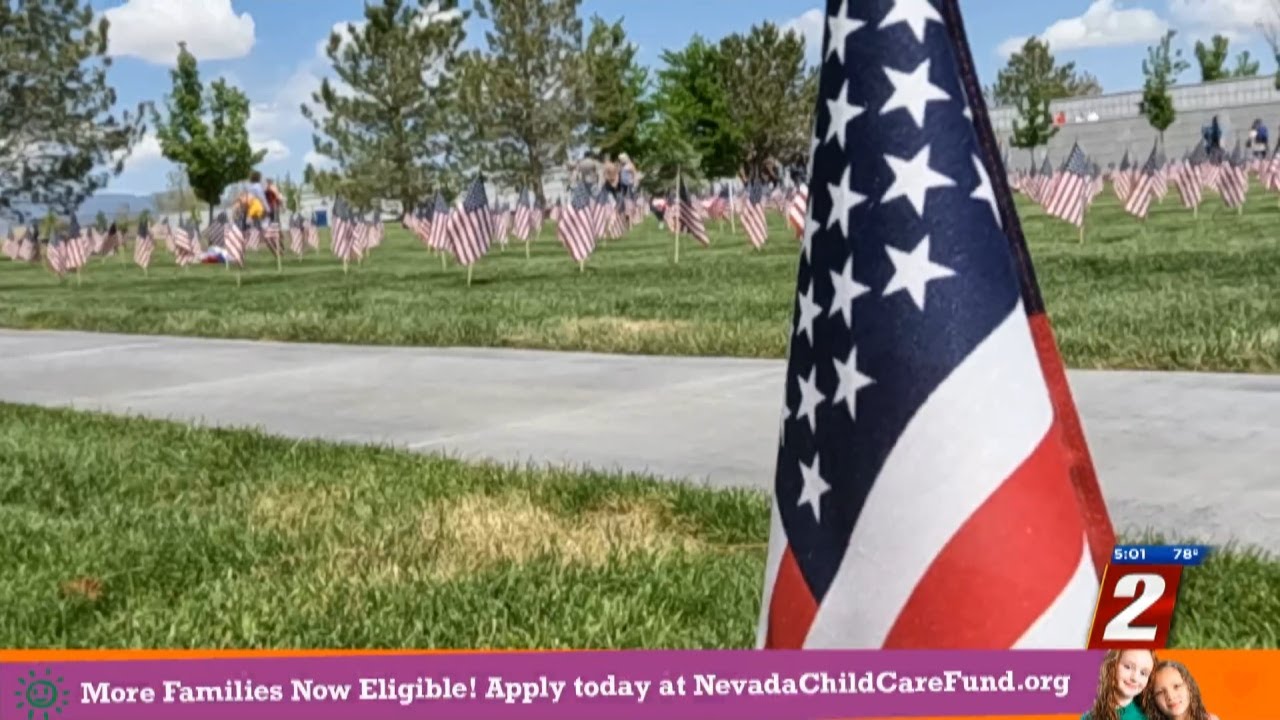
733,225
677,209
469,269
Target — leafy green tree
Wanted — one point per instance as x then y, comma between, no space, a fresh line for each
1033,67
1161,70
59,141
1034,126
524,98
1246,66
616,88
1212,58
206,133
292,194
178,197
692,101
770,98
100,221
387,129
668,152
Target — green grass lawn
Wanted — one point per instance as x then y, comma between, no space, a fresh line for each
123,533
1172,293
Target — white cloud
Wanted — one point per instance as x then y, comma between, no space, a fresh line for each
810,26
1233,18
1103,24
151,30
146,151
321,162
276,149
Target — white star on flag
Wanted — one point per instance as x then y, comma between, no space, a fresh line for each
913,178
841,26
810,398
851,381
915,13
814,488
913,271
984,191
843,199
912,91
809,311
842,112
846,291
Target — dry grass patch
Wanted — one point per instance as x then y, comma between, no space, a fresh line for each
620,330
480,530
458,536
294,511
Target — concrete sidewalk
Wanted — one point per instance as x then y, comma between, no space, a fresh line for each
1189,454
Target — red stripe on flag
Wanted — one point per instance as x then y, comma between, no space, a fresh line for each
1084,478
792,607
1008,563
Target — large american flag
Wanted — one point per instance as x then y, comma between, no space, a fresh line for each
471,226
922,496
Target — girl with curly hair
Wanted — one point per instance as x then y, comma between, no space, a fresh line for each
1123,677
1174,694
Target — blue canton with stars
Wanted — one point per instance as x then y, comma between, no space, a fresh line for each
904,269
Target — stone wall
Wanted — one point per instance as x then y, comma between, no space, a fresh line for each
1107,125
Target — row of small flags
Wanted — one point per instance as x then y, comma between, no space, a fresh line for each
1068,192
465,231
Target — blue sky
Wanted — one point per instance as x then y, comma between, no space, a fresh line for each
271,48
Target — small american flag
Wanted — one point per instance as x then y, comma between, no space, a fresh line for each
471,226
797,209
690,216
144,246
1188,181
1122,180
752,215
1138,202
439,239
1069,194
1233,179
576,227
522,226
233,242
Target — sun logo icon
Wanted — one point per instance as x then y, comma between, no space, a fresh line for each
43,697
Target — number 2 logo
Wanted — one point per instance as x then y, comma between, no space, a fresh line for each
1121,627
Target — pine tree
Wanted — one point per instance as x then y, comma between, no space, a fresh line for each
215,151
525,97
387,126
59,141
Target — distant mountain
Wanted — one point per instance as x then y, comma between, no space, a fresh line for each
108,203
112,203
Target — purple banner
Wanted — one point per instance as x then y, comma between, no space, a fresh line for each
667,685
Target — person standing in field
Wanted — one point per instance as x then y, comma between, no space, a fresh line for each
274,201
627,176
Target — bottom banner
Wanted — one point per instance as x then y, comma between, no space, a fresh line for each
666,685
